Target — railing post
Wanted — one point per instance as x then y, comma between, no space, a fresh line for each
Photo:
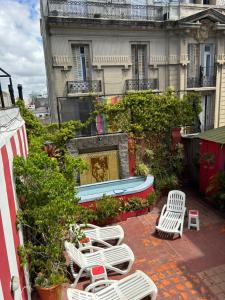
11,92
1,97
201,76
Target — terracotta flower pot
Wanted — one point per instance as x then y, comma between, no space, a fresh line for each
51,293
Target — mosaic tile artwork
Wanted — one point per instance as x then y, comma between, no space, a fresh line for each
103,166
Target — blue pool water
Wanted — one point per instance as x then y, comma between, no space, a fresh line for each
94,191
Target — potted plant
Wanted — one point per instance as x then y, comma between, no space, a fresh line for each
50,287
45,215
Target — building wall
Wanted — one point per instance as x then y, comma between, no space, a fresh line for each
110,53
13,141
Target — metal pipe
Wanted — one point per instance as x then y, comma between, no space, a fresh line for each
1,97
20,91
11,92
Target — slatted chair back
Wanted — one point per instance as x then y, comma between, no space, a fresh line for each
176,201
77,256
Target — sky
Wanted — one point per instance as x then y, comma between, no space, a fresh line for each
21,49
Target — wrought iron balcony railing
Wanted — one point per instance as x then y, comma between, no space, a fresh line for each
106,10
80,87
141,84
205,78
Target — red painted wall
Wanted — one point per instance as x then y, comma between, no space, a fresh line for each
4,265
10,239
209,168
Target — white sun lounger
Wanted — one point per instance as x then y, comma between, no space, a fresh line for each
101,234
133,287
172,216
110,258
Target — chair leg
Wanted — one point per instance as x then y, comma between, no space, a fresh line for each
153,295
77,278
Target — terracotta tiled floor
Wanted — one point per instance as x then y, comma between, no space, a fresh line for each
192,267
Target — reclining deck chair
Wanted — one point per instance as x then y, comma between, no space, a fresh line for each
172,216
101,234
111,258
133,287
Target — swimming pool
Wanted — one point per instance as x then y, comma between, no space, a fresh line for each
125,188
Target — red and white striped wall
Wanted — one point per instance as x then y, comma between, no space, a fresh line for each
13,141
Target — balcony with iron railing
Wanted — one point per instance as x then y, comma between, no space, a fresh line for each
107,10
205,78
141,84
84,87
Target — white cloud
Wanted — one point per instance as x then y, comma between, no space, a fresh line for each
21,52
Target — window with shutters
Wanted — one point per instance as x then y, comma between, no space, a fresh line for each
201,67
139,61
208,111
81,62
194,60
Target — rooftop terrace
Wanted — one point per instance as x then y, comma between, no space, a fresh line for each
192,267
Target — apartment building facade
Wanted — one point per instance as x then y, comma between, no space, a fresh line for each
112,47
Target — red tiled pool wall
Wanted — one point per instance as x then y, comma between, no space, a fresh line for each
144,194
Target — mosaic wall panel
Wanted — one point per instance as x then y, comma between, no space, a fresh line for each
103,166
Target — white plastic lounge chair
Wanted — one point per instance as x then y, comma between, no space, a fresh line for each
133,287
101,234
172,216
109,257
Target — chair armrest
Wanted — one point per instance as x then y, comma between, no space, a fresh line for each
163,209
100,282
95,240
90,248
88,225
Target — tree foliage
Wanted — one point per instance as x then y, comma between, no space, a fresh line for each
149,112
46,189
148,118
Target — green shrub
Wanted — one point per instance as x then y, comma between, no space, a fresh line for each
135,203
167,183
107,208
151,199
142,169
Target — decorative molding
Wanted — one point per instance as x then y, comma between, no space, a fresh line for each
62,61
205,29
169,60
112,60
220,59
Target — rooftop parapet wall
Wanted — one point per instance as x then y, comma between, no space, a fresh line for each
13,142
124,10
